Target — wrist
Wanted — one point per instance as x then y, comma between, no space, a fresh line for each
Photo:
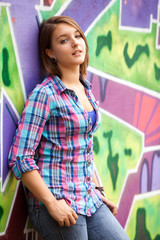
50,201
101,190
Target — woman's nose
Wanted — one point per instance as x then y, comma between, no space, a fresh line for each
74,42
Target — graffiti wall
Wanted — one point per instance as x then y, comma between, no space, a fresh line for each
124,69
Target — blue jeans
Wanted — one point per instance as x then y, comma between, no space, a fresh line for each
102,225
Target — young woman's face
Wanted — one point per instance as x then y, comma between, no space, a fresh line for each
68,46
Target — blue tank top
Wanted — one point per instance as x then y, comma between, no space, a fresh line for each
92,115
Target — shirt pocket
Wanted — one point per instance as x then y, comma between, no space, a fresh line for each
55,129
76,123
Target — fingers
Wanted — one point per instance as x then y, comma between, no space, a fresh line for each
63,214
71,221
113,208
68,221
69,218
114,211
65,222
73,218
75,215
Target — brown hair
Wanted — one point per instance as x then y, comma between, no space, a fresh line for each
45,36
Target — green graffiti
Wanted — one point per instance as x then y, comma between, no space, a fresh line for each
51,12
128,152
103,41
139,50
141,229
96,145
5,72
157,71
157,237
1,212
112,161
113,63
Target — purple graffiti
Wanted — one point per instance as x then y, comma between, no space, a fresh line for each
155,184
9,126
137,13
144,184
103,85
85,12
137,183
26,33
0,141
114,98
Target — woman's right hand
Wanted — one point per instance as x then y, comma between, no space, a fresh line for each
62,213
58,209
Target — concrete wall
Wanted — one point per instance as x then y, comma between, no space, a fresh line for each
124,42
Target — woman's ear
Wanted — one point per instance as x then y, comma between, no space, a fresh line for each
49,53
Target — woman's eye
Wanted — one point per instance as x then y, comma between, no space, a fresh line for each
63,41
78,36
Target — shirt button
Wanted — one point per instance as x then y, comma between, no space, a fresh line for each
89,135
88,179
89,163
89,191
89,150
18,158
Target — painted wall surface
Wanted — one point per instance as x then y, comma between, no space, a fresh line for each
124,43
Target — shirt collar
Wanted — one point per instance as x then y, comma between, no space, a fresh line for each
60,87
58,84
86,83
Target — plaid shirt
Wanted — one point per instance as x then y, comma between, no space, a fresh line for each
55,136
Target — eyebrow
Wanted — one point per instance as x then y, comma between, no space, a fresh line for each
64,35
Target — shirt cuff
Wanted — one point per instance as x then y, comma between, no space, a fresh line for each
22,165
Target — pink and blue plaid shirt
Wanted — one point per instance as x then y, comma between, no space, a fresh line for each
55,136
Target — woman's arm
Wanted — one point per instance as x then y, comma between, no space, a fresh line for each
111,206
22,155
58,209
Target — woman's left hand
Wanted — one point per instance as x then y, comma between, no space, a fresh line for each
113,208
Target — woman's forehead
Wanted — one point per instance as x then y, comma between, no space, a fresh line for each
64,28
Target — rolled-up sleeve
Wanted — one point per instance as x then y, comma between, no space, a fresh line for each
28,134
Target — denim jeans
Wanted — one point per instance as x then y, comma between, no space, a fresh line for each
102,225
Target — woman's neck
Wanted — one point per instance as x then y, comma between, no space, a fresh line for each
70,77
